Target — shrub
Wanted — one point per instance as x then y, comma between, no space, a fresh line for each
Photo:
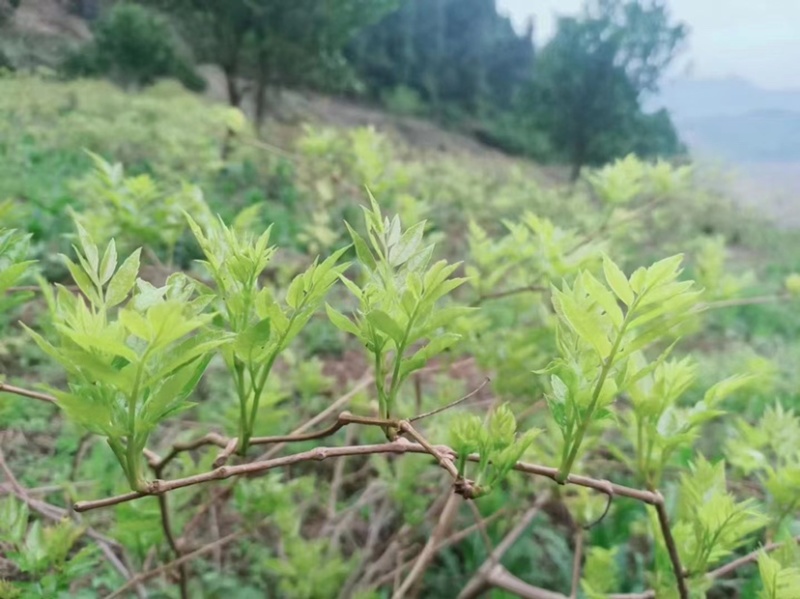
134,47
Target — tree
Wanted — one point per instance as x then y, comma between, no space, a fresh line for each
458,55
217,32
590,78
7,8
299,42
272,42
133,46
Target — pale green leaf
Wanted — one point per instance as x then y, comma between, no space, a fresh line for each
123,281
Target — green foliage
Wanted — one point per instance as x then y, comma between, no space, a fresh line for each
134,47
711,525
47,556
13,266
135,211
397,320
520,239
587,87
780,574
260,326
131,362
495,442
658,425
163,131
460,57
601,344
600,572
770,451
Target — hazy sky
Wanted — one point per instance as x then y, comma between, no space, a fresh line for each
759,41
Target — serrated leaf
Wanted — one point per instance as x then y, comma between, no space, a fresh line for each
363,252
252,340
123,281
617,280
82,280
604,298
585,326
387,325
109,263
88,247
341,322
407,245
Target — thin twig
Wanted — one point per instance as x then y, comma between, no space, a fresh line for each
481,580
451,540
576,564
751,557
746,301
672,549
6,388
57,514
444,462
166,525
503,579
335,407
224,472
467,397
144,576
442,453
224,455
487,542
427,553
336,481
509,292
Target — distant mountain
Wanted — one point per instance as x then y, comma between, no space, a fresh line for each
735,120
700,98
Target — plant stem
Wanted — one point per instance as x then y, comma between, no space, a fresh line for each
166,525
566,464
243,393
133,451
672,548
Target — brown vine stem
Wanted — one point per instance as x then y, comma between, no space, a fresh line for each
5,388
457,402
426,555
321,453
751,557
576,564
444,462
746,301
166,525
447,542
672,549
225,472
508,293
145,576
482,578
57,514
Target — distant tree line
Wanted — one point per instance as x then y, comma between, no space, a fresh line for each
576,100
